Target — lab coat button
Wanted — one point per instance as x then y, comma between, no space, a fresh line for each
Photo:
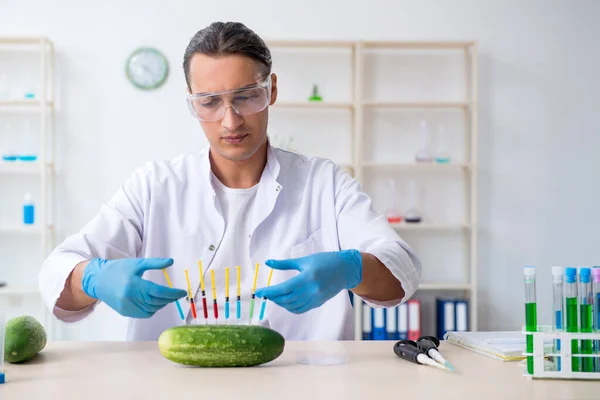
278,187
211,247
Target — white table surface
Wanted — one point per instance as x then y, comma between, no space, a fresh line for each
136,370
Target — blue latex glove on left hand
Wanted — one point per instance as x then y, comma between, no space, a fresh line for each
120,285
322,276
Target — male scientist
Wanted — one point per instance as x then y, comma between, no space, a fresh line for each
239,204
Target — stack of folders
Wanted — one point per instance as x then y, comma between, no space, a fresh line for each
392,323
451,316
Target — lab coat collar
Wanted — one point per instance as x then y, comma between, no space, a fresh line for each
273,166
270,172
268,191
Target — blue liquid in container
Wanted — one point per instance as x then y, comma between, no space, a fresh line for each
27,157
28,214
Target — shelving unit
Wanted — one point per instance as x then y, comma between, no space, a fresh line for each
360,103
40,109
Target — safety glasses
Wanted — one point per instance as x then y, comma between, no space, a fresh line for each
211,107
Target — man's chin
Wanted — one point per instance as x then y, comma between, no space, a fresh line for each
238,154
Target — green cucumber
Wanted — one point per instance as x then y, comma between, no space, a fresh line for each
24,338
221,345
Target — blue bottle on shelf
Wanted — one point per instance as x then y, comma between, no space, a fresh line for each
28,210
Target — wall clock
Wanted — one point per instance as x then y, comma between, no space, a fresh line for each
147,68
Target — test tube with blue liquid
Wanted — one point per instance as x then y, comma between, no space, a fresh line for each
558,315
571,302
586,302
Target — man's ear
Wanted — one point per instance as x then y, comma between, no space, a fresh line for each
273,89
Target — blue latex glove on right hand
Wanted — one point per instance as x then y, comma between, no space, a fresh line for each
119,284
322,276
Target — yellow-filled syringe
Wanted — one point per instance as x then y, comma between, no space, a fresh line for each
238,305
253,294
264,301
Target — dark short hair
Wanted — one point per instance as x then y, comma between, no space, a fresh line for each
223,38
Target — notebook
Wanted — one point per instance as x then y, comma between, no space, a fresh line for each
504,346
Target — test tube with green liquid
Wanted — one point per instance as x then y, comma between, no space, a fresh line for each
571,301
530,313
586,301
596,290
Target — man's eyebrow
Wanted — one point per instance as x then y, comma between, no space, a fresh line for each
248,86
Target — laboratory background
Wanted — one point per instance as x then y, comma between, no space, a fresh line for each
472,125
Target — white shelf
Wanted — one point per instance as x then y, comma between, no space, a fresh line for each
445,286
415,166
316,105
34,104
371,44
24,229
10,290
310,44
418,45
425,104
31,40
429,227
22,167
378,104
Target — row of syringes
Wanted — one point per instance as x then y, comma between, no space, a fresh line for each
190,297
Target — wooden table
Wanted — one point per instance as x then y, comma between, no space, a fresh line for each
136,370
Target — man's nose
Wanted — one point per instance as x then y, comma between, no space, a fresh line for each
231,120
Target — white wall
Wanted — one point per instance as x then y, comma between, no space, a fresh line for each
538,88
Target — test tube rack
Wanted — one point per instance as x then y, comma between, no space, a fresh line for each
541,353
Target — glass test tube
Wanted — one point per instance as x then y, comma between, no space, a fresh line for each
571,301
558,308
530,312
586,301
596,291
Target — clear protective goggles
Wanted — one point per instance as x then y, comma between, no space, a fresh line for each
211,107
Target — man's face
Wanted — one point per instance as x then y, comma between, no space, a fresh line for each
234,137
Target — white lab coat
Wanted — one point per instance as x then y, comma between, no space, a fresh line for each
169,209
